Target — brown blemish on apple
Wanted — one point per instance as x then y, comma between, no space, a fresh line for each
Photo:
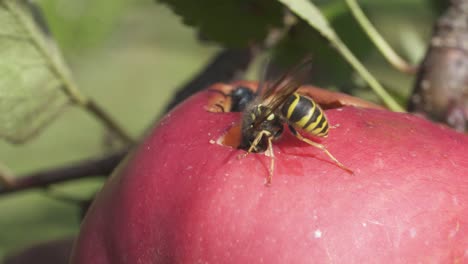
232,137
220,101
332,100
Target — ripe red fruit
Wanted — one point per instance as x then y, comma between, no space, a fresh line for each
180,198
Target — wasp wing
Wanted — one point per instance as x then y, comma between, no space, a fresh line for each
279,91
296,74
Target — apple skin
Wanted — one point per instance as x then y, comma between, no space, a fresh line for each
179,198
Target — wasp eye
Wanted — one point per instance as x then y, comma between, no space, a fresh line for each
271,117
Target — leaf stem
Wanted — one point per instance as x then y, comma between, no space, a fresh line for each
385,49
56,64
92,167
99,113
367,76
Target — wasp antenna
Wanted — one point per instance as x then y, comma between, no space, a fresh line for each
272,162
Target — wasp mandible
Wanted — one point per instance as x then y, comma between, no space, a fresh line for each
276,104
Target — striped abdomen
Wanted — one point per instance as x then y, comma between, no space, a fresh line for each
303,113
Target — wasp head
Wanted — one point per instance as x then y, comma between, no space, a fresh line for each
271,124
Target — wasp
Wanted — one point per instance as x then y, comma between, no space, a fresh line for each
276,104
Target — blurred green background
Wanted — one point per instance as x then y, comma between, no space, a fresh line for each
131,56
128,55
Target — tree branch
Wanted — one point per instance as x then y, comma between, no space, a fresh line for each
440,91
82,169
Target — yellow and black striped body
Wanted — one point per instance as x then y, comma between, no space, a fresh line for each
303,113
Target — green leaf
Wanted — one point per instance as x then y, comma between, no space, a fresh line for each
312,15
30,86
330,69
232,23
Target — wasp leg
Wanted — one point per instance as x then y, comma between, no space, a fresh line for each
319,146
270,152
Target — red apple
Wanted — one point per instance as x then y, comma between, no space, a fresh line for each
182,198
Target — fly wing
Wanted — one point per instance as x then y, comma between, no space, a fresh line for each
279,91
